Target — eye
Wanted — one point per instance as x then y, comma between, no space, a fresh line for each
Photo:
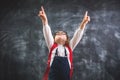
60,33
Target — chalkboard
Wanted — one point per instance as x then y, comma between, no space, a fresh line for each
23,50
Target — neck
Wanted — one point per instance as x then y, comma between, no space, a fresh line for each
60,43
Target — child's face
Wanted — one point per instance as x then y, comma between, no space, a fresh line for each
60,37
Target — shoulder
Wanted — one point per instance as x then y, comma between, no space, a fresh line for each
53,46
69,47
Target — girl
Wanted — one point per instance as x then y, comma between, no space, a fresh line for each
60,49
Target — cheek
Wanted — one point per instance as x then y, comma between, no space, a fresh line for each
64,37
56,38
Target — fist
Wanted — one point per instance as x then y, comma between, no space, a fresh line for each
42,15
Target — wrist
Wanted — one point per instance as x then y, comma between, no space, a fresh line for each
44,22
82,25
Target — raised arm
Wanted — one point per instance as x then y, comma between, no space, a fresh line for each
79,32
46,28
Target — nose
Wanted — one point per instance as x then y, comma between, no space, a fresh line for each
59,37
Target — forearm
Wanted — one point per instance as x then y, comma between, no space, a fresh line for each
82,25
76,38
48,35
45,22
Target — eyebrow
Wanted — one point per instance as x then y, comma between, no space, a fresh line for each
60,32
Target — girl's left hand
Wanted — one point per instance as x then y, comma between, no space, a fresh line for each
86,18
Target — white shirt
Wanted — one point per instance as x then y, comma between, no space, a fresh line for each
50,41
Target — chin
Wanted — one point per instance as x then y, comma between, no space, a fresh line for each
60,43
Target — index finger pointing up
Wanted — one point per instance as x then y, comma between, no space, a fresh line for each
86,13
42,8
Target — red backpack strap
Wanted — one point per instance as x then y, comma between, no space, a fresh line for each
45,76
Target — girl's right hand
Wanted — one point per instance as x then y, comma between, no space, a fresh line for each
43,16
